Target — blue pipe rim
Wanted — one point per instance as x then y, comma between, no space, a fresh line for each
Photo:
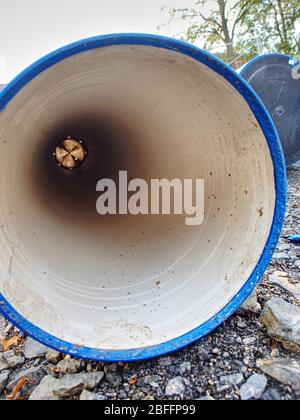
261,57
269,130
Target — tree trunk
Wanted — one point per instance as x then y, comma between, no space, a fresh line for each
227,38
284,31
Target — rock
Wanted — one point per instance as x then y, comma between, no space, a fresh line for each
281,256
122,395
166,361
69,366
280,279
87,396
138,395
89,368
271,395
72,385
254,387
3,380
67,387
293,256
10,360
175,386
251,304
285,371
153,381
296,165
204,351
114,379
185,367
53,356
283,247
3,364
33,375
44,391
297,264
232,380
206,399
223,388
33,349
2,328
249,340
246,361
111,368
111,394
282,321
90,396
9,327
241,324
277,275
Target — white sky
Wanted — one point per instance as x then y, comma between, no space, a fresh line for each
31,28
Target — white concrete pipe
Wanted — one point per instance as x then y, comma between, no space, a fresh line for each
130,287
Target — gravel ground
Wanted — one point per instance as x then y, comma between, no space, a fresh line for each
225,365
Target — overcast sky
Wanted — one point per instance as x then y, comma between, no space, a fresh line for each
31,28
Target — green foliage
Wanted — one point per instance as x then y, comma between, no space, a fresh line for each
211,23
242,27
275,23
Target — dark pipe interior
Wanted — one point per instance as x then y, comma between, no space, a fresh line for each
112,145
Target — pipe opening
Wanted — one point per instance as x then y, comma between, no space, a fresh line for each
128,282
70,153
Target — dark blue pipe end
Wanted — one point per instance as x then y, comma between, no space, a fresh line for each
295,239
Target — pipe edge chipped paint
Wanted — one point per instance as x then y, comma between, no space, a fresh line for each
268,128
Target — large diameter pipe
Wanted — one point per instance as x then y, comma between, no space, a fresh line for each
276,80
124,287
